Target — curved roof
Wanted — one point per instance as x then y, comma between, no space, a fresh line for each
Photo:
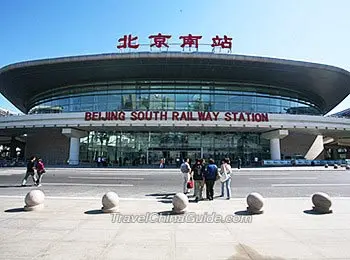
324,85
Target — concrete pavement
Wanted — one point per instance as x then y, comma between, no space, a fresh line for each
74,229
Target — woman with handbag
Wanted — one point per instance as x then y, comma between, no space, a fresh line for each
40,169
225,178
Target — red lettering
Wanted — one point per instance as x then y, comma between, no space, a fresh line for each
141,115
208,117
127,42
264,117
163,115
241,117
122,116
234,116
190,40
95,116
155,115
159,40
133,115
175,116
87,116
253,117
225,42
248,116
216,114
114,116
183,116
228,116
201,116
258,117
191,117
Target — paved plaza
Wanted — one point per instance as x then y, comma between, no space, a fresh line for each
73,227
76,229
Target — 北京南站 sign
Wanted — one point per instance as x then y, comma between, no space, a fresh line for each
186,41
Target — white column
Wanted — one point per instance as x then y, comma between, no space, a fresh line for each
74,151
275,149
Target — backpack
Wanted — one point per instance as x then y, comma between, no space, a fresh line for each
212,171
184,168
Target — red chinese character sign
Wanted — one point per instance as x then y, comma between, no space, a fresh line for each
127,42
159,40
190,40
224,43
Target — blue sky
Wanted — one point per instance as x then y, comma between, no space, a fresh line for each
306,30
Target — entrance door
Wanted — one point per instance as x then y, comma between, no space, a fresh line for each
173,157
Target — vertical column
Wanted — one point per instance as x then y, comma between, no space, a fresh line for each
275,149
74,147
274,137
74,151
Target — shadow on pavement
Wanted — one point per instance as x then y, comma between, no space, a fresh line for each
94,212
245,252
161,195
14,186
165,201
313,212
14,210
243,213
168,213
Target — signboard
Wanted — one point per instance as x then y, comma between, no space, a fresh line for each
186,41
300,162
176,116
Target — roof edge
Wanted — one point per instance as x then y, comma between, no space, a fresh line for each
199,55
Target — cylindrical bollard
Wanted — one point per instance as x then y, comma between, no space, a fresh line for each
322,202
180,203
335,166
255,203
34,200
326,165
110,202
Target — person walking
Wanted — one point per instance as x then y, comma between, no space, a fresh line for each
186,169
226,170
40,170
239,163
30,171
210,176
197,175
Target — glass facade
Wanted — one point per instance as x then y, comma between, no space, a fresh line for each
180,96
148,148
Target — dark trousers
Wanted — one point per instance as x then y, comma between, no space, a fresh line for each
210,189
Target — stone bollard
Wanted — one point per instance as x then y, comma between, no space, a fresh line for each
180,203
347,167
110,202
255,203
326,165
322,202
335,166
34,200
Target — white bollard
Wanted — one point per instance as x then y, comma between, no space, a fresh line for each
326,165
255,203
335,166
110,202
180,203
322,202
347,167
34,200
